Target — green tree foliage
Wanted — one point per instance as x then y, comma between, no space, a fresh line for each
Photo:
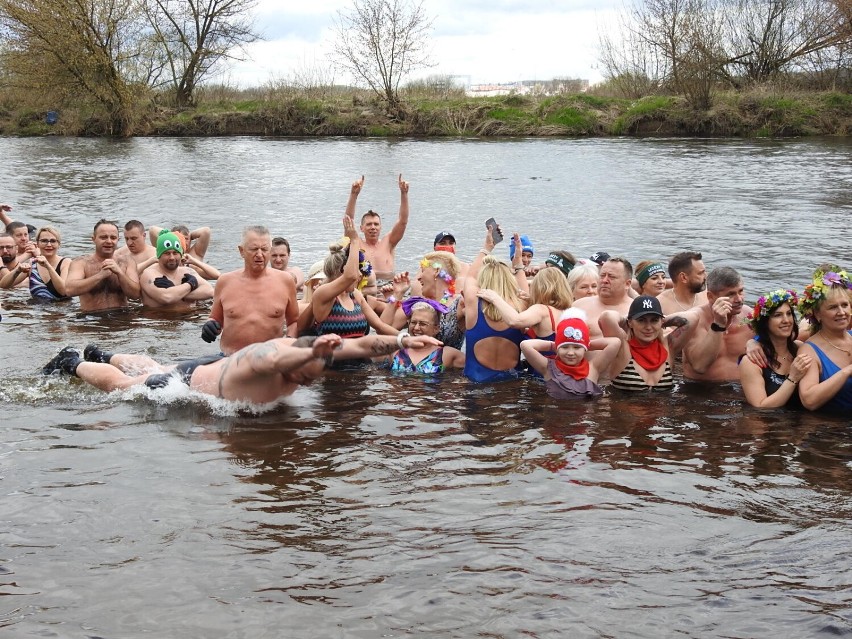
84,50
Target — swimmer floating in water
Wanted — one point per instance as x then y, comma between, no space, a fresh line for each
259,373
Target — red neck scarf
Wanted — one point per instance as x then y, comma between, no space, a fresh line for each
648,356
580,371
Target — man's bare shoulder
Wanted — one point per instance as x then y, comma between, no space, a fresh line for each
587,303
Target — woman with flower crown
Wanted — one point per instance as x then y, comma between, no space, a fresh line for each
337,306
773,320
439,272
827,304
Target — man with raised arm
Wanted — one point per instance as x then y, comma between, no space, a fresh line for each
720,337
101,280
255,303
380,250
688,276
169,284
614,281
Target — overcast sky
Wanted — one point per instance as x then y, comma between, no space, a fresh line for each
487,40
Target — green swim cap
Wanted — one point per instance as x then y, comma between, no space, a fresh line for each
168,241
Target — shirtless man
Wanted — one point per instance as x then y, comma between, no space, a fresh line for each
135,246
688,276
253,304
280,261
380,250
712,353
8,251
168,284
258,373
101,280
616,276
25,248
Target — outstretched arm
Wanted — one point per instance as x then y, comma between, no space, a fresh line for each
398,230
323,297
381,345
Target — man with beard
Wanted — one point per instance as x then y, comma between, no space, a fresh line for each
255,303
614,282
8,251
101,280
168,284
720,337
688,276
380,250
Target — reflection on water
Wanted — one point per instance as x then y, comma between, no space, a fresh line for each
370,505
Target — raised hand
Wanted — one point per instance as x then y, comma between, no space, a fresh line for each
357,185
722,308
403,185
349,229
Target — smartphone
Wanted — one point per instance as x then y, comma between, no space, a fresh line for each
496,235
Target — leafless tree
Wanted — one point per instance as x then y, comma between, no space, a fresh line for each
193,35
380,42
694,46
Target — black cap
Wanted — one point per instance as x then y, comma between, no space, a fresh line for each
645,305
599,257
442,236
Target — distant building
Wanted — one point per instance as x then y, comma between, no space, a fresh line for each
530,87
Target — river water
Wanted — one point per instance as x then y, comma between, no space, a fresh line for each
369,505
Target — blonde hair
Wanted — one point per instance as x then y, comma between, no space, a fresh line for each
450,262
550,287
335,261
497,276
51,230
579,273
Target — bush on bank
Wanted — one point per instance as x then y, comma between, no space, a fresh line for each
762,112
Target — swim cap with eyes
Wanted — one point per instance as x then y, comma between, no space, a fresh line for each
168,241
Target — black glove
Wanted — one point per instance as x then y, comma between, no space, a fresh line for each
163,282
190,279
210,331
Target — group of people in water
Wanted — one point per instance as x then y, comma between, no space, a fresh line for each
576,324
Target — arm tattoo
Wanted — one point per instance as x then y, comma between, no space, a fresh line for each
382,348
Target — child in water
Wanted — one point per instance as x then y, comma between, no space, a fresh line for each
574,372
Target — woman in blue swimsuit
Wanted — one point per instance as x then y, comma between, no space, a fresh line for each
492,349
827,304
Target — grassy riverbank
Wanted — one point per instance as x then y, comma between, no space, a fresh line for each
222,111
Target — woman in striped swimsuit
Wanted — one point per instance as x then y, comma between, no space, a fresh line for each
337,306
645,360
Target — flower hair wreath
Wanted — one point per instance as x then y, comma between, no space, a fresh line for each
767,305
818,290
443,274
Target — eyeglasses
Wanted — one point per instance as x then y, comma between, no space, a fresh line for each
48,241
416,323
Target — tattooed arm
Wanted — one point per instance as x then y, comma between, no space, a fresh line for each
380,345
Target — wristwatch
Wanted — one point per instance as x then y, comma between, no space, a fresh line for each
716,328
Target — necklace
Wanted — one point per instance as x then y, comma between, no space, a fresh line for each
682,307
834,346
